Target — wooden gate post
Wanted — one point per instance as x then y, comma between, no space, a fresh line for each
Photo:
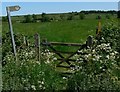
37,46
25,41
89,41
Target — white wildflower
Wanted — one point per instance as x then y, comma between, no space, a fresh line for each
80,67
86,56
38,62
42,53
64,78
93,51
98,57
115,52
112,54
108,44
49,53
108,57
89,55
33,87
77,59
26,54
48,61
102,38
77,67
40,86
54,58
39,81
100,67
112,57
103,69
79,51
8,58
93,59
112,63
43,87
42,82
101,61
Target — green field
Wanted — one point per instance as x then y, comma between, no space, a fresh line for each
73,31
62,31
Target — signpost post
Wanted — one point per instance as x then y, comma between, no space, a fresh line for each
11,9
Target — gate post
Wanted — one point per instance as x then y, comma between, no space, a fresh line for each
89,41
37,45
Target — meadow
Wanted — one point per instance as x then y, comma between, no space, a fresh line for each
71,31
75,30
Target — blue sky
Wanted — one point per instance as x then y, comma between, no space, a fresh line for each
57,7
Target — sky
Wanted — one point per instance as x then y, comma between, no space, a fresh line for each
57,7
60,0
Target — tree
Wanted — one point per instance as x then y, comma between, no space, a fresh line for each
118,14
34,18
107,16
4,19
62,16
76,13
70,16
98,17
81,16
45,18
28,19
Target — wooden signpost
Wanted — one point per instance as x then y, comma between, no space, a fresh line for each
11,9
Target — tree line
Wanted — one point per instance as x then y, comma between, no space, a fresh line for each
64,16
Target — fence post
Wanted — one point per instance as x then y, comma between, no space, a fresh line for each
25,41
89,41
37,46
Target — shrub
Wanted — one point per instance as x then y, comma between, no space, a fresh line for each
29,74
70,16
98,17
100,71
82,16
118,14
4,19
45,18
62,16
28,19
107,16
111,34
34,18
